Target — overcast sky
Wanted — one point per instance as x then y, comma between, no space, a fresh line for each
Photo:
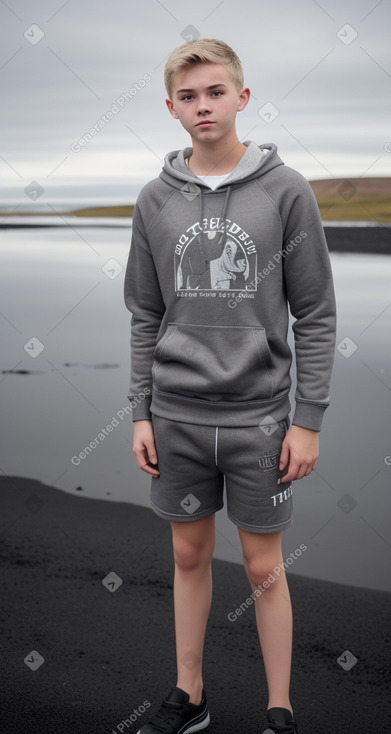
324,67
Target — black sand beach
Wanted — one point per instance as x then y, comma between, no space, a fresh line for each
108,656
373,240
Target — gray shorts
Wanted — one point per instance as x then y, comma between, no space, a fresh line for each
195,460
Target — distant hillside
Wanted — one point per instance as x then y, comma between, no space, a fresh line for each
120,210
354,199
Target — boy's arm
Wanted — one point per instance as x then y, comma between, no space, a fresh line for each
144,300
310,292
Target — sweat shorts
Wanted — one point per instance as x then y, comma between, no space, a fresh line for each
196,462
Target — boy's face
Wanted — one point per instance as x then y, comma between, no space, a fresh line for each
206,101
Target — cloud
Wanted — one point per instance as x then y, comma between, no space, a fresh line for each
328,85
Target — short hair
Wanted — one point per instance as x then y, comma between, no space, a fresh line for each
203,50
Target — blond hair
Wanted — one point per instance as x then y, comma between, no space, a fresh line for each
203,50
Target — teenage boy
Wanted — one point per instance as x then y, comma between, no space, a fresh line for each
222,241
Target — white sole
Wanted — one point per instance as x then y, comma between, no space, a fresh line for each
197,727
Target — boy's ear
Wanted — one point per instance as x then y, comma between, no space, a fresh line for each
244,97
170,106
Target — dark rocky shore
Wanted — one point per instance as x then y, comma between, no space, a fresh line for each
376,240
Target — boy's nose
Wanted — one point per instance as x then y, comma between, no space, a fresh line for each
203,106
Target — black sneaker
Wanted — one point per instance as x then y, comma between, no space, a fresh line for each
280,721
177,716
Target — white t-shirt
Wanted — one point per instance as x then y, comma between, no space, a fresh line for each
211,181
214,181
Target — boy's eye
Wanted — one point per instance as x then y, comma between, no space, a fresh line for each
188,97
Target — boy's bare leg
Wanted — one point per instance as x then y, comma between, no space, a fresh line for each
273,610
193,546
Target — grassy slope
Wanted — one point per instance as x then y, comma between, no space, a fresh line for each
354,199
125,210
367,209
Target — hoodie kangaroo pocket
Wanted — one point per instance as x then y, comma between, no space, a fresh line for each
223,363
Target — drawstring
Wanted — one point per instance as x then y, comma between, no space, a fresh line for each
202,212
223,217
225,212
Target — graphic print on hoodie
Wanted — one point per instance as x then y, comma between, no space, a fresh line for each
220,263
209,277
208,259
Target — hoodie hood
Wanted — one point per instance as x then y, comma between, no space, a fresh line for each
253,163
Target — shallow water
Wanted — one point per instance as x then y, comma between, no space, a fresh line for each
56,298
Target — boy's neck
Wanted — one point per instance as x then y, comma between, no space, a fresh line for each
215,160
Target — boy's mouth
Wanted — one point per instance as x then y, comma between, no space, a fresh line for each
204,122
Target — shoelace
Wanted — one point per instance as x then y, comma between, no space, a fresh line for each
163,721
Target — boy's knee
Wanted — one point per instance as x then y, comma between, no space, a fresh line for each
261,572
189,556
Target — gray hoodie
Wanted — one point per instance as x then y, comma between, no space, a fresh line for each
209,278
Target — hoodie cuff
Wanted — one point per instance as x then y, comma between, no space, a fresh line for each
309,415
140,411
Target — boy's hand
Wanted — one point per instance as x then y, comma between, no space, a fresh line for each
300,449
144,446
